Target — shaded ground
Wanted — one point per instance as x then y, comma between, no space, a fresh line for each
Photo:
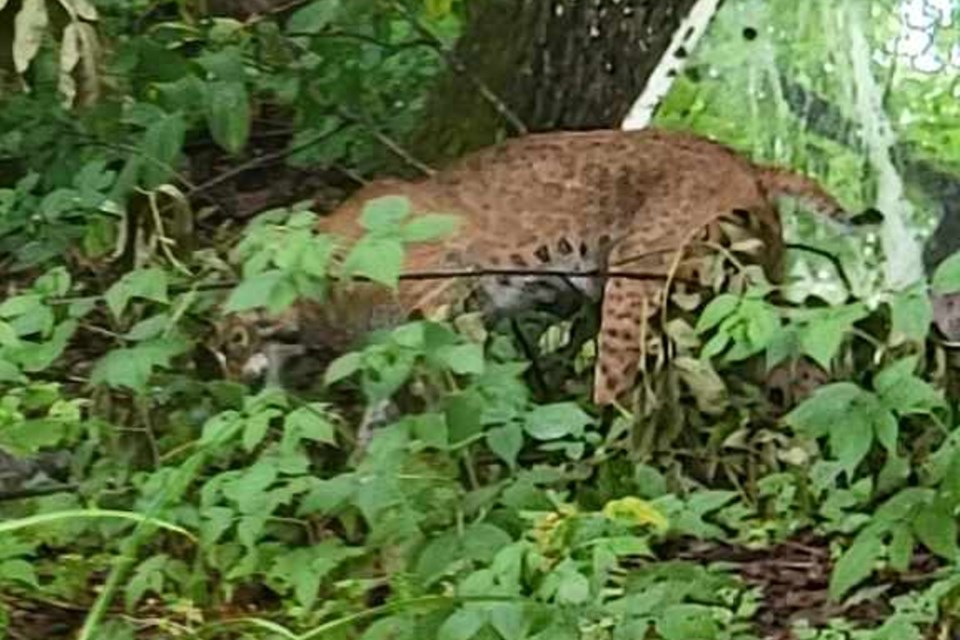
792,576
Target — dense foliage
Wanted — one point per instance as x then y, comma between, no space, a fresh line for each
144,496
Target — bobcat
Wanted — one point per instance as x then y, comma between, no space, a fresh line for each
613,201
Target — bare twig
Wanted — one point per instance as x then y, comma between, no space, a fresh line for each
458,65
260,161
387,141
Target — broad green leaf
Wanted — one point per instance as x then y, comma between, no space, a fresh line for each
946,278
148,284
462,359
687,621
822,337
311,423
228,114
9,372
936,527
161,146
437,557
254,292
385,214
902,392
431,226
343,367
900,549
225,64
554,421
911,314
902,506
855,565
463,624
482,541
148,576
379,259
464,411
826,408
574,588
8,336
506,442
313,18
16,570
510,620
887,429
254,431
149,328
131,368
20,305
851,438
716,312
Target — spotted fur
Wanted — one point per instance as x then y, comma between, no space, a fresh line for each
607,200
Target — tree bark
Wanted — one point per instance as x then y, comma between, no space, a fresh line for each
554,64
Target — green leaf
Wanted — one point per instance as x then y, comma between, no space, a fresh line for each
254,292
506,442
431,226
161,146
935,527
482,541
946,278
20,305
911,314
463,624
379,259
150,328
17,570
385,214
716,312
855,565
687,621
132,368
851,439
314,17
510,620
554,421
311,423
9,372
343,367
902,392
887,429
574,588
254,431
462,359
228,114
822,337
8,336
900,549
827,407
463,412
148,284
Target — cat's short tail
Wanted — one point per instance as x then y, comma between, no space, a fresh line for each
777,182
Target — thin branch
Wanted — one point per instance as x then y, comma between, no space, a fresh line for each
37,492
393,47
458,65
260,161
387,141
418,276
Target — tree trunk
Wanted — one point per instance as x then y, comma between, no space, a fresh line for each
554,64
